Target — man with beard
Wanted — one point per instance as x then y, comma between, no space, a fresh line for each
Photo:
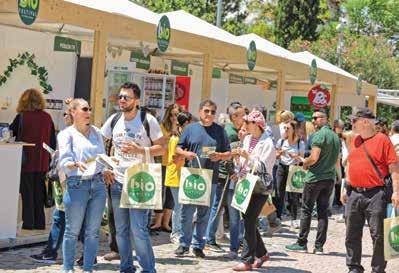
133,134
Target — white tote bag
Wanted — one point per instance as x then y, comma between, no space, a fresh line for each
391,236
295,179
195,186
243,192
142,187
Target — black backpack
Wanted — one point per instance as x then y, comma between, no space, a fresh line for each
143,118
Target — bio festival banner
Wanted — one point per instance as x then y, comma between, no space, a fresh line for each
142,187
391,236
295,179
182,92
195,186
243,192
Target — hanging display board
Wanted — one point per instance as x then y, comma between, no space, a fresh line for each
319,96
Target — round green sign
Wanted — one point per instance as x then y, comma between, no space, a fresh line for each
359,85
297,179
242,191
28,10
163,33
393,238
313,71
141,187
194,186
251,55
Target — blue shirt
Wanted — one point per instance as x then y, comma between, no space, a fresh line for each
197,138
75,147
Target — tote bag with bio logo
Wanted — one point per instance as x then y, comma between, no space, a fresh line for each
391,236
243,192
295,179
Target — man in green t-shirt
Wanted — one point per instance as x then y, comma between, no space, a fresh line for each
320,180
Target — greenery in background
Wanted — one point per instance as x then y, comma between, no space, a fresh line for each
389,112
233,16
296,19
29,60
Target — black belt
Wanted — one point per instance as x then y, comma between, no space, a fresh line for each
362,190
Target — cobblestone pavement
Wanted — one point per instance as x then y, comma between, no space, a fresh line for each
281,262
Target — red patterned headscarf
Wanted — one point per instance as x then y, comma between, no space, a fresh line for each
257,117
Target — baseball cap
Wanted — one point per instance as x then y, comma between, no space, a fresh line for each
363,112
300,117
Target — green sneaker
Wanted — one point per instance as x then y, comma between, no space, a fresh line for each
296,248
318,250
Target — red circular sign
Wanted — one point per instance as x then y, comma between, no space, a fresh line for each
319,96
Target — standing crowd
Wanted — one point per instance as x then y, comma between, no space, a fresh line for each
303,168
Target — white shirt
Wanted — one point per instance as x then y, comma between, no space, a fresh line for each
296,148
132,130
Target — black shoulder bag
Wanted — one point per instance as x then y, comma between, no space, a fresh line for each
24,158
388,189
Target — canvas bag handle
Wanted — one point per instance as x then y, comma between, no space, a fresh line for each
147,156
198,161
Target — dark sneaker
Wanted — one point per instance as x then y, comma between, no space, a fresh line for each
214,247
112,256
198,253
181,250
296,248
44,258
318,250
79,261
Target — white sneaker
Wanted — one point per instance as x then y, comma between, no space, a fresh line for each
174,239
296,224
232,255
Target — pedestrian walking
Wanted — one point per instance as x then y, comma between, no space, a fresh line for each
133,132
196,140
84,198
371,159
319,182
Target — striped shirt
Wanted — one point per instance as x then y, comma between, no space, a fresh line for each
251,147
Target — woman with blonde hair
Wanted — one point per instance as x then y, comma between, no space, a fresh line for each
85,194
33,125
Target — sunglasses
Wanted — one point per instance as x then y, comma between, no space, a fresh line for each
66,115
86,109
212,112
125,97
287,128
315,118
247,122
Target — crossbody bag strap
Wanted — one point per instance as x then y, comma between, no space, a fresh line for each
372,162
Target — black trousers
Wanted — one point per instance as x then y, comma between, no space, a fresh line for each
369,206
33,193
319,193
253,243
111,223
293,197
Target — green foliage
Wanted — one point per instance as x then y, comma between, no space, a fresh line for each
389,112
233,15
28,60
296,19
264,16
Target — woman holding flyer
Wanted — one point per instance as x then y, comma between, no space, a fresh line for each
258,149
84,198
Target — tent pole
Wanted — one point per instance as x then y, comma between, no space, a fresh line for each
207,77
97,76
333,104
280,91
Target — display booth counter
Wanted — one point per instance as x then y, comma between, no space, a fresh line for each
10,169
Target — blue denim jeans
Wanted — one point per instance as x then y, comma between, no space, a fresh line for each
84,201
194,236
236,224
176,223
213,218
136,221
56,234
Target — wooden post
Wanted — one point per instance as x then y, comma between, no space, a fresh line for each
333,104
207,77
280,91
97,76
372,104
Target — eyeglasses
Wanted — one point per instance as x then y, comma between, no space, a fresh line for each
212,112
125,97
86,109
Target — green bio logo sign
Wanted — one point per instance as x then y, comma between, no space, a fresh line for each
163,33
393,238
313,71
194,186
141,187
28,10
242,191
251,55
297,179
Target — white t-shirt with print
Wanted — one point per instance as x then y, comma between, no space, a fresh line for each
132,130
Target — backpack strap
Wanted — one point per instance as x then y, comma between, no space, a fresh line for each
114,120
144,121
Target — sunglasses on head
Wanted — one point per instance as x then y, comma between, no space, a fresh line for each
125,97
212,112
86,109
